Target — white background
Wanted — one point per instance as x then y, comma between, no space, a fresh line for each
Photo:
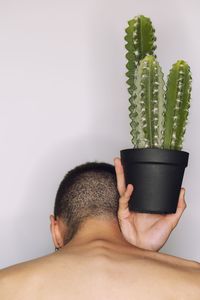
64,101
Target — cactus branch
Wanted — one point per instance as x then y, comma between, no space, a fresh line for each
147,107
140,42
177,97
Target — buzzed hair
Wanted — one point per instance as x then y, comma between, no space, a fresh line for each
88,190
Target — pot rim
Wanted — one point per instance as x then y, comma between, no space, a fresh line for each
155,155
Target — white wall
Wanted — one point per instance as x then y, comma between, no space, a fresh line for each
64,101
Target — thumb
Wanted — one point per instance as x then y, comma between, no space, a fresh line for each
124,199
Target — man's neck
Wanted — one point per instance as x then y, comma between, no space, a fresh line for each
99,228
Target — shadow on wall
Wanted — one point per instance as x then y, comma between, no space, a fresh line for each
30,227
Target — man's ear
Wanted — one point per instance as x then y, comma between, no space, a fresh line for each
58,231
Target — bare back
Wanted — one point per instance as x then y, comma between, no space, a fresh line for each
102,270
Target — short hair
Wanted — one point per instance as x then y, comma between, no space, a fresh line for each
88,190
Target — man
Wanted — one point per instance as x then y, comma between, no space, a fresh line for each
105,252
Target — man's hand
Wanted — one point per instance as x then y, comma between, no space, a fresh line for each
146,231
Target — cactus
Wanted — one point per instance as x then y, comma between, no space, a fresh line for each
147,108
140,42
158,118
177,96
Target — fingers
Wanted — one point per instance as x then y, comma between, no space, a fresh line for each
181,204
125,192
124,199
121,185
174,218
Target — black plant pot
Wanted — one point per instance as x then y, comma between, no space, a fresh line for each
157,176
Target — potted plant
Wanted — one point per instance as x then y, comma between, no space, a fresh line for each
158,114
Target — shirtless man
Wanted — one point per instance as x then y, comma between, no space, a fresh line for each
105,251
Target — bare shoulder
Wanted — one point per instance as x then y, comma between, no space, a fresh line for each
178,261
187,271
11,276
116,272
18,276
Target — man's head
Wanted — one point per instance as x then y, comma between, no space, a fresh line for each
89,190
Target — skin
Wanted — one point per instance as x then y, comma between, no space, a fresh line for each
108,258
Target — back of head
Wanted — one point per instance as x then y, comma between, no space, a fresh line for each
89,190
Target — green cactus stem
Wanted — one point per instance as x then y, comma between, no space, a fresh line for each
147,105
140,42
178,93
